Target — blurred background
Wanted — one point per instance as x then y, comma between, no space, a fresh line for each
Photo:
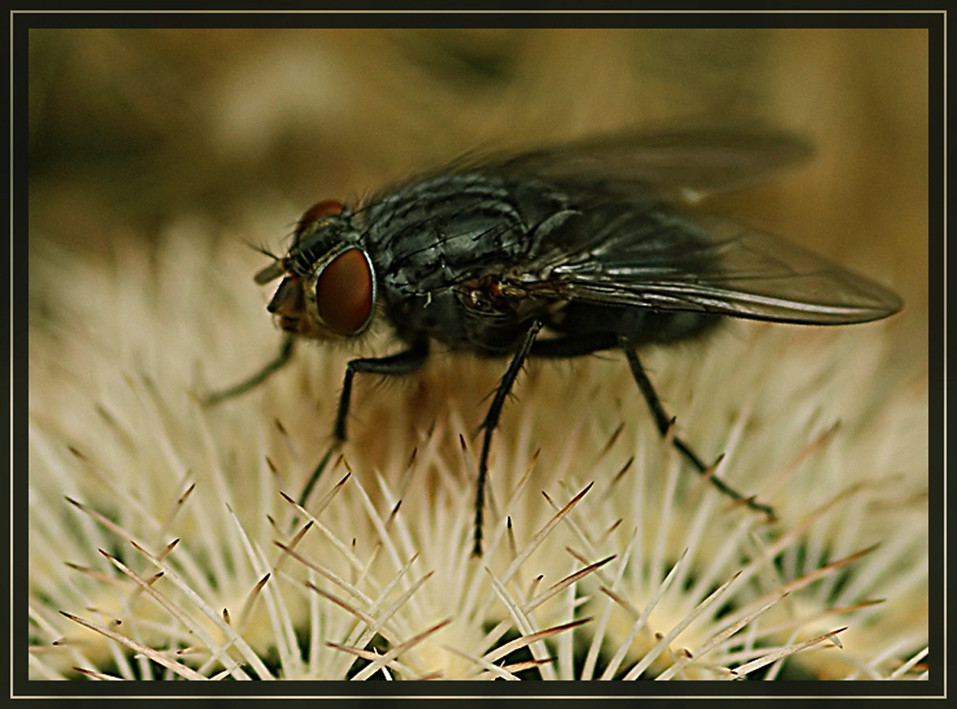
133,128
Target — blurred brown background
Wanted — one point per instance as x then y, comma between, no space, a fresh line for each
131,128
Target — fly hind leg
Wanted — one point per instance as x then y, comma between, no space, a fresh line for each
565,347
665,422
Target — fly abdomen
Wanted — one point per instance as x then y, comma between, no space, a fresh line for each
638,326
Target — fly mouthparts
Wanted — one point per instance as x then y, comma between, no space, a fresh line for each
288,299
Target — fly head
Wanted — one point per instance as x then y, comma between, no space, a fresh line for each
328,286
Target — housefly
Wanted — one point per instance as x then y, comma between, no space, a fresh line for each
556,253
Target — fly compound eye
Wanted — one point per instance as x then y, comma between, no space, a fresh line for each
325,208
344,293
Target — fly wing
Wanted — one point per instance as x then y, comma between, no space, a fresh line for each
639,254
685,164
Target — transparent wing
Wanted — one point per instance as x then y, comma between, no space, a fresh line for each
625,255
686,164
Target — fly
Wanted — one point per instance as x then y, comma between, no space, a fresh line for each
556,253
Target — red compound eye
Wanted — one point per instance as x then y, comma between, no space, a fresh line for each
344,293
325,208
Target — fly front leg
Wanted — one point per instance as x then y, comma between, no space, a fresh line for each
664,423
285,353
490,423
403,362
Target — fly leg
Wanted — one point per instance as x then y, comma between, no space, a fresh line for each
285,353
664,423
402,362
491,421
578,346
